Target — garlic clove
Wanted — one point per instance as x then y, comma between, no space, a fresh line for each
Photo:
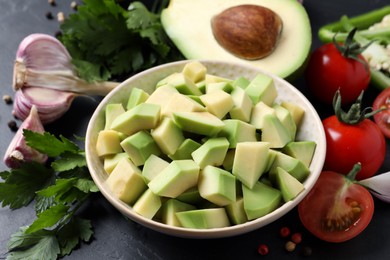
18,151
51,104
379,186
43,61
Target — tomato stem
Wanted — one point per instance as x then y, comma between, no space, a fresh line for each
355,113
355,169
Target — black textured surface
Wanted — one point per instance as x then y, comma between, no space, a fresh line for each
118,238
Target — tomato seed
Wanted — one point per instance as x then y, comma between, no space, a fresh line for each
284,232
296,238
263,249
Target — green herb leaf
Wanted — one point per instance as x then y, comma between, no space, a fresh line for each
49,144
48,218
70,234
86,185
21,184
42,244
69,161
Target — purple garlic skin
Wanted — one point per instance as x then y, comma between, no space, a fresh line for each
18,151
50,103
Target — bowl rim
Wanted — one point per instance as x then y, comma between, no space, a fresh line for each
233,230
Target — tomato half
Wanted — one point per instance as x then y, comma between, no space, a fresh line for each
348,144
382,119
328,70
336,209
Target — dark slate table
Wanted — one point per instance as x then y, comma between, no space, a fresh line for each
118,238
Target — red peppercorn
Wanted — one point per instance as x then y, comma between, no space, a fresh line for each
263,249
284,232
296,238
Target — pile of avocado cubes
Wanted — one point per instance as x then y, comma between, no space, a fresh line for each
203,151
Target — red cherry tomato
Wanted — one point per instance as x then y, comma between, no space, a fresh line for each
328,70
382,119
348,144
336,209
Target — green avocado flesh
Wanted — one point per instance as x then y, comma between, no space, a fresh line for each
188,24
197,164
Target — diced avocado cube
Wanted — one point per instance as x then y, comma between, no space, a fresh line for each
260,200
183,84
168,136
214,79
137,96
161,95
108,143
164,81
217,102
142,117
126,181
140,146
296,111
111,112
217,185
262,88
181,103
201,86
196,99
176,178
286,119
271,157
224,86
185,150
195,71
241,82
111,161
147,204
236,212
237,131
275,132
190,196
301,150
288,185
259,111
170,208
203,218
293,166
242,108
152,167
203,123
229,159
212,152
250,162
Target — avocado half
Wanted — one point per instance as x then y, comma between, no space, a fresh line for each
188,25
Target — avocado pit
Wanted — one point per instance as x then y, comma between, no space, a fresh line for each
247,31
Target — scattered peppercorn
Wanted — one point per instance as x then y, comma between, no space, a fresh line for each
52,2
290,246
7,99
284,232
12,125
307,251
296,238
49,15
60,17
73,5
263,249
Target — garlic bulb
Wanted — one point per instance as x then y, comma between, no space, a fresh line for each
45,77
18,151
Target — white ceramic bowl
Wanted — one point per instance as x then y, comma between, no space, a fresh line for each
310,129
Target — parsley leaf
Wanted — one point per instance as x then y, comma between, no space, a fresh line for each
48,218
70,234
69,161
21,184
49,144
37,245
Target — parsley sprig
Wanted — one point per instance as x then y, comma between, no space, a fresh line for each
108,41
58,190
